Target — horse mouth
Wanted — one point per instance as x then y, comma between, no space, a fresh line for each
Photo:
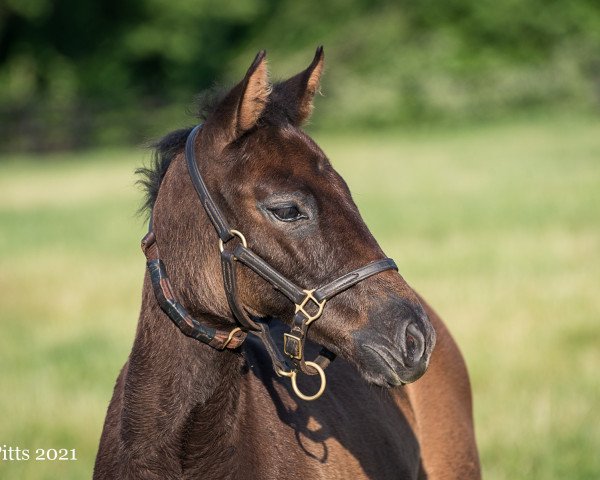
382,367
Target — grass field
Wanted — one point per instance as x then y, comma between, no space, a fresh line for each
497,226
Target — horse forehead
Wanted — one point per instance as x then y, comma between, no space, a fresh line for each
287,149
296,137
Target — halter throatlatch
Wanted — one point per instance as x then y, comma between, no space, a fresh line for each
309,304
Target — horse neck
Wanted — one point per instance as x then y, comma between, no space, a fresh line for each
179,390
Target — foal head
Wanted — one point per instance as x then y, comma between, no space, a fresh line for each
276,185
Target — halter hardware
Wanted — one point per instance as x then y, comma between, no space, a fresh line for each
314,299
230,336
309,297
292,346
236,233
294,376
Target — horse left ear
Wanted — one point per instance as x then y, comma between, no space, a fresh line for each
300,89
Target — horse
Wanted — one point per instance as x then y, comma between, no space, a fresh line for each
206,392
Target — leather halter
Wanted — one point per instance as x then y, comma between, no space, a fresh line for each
309,303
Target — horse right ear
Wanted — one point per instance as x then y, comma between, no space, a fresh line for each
241,108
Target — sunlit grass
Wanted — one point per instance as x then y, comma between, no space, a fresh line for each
497,226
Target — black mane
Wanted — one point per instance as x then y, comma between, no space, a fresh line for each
169,146
152,175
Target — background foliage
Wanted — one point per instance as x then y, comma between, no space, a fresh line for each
81,72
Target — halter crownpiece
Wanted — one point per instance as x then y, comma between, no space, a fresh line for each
309,304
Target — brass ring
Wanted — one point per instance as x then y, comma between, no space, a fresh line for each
297,391
235,233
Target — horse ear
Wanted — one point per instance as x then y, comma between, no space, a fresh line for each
301,89
239,111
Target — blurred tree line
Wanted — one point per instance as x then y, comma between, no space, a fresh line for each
75,73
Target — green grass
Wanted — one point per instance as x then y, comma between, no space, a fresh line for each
497,226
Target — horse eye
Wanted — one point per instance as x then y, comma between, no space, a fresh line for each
289,213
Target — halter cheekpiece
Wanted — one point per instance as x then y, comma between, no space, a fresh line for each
309,304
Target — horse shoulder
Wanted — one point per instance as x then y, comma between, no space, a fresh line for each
442,406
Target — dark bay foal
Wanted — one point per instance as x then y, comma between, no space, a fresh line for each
182,409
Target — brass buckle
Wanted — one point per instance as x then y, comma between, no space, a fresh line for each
289,338
309,297
231,334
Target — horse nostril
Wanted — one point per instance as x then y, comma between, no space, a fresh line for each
414,345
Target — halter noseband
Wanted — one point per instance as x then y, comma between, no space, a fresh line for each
309,303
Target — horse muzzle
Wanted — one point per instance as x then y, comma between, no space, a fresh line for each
395,349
